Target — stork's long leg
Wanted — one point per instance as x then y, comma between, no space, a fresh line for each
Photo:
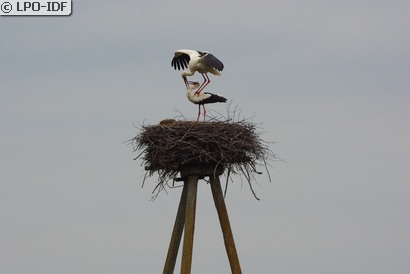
199,112
204,84
204,112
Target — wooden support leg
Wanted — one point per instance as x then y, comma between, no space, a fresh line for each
225,225
192,186
176,234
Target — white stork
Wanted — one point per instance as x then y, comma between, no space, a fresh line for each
201,61
202,98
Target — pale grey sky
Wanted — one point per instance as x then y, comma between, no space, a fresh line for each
327,80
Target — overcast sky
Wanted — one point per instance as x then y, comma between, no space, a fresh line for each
328,82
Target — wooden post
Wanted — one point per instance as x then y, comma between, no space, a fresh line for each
185,220
192,186
225,225
176,234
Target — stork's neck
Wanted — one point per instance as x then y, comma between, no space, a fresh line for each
190,92
186,73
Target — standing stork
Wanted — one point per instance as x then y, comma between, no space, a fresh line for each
203,98
201,61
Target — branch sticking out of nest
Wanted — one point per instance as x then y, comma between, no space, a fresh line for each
173,144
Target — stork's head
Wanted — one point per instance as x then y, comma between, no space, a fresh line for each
193,85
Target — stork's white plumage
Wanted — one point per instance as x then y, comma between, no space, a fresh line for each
193,60
202,98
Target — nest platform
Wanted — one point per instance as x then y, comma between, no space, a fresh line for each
172,145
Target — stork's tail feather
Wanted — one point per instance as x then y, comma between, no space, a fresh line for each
215,72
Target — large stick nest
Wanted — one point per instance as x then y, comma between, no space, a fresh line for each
172,145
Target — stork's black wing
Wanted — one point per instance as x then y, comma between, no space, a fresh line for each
213,62
213,98
180,60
